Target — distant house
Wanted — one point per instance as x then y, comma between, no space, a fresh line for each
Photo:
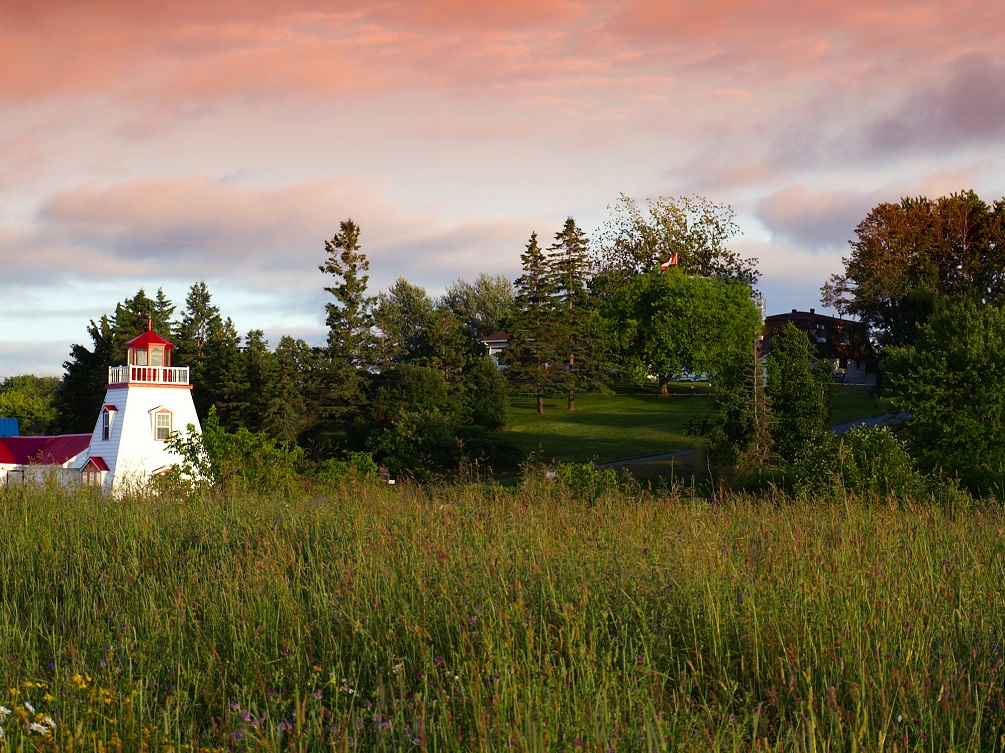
842,342
495,344
146,401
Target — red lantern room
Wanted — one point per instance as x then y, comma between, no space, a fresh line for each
149,349
149,362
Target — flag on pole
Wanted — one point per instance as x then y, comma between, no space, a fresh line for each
671,262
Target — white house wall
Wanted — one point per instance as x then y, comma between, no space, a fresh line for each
131,451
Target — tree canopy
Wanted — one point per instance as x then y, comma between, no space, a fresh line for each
951,383
669,322
798,391
638,239
906,255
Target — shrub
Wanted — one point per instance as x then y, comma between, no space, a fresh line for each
870,462
355,467
215,456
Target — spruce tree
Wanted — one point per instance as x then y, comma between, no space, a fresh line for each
208,345
576,335
353,349
530,362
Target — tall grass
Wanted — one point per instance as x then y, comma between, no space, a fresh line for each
481,618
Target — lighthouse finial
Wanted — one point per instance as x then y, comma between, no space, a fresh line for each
150,324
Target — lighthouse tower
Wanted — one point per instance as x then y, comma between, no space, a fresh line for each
146,401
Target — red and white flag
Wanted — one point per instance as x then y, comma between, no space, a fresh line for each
671,262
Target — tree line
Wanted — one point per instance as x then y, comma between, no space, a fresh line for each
404,377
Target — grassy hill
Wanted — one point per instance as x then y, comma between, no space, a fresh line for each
633,422
636,422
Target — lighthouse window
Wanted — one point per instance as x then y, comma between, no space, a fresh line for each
162,426
156,356
106,424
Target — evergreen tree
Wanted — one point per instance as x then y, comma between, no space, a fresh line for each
82,388
352,346
248,387
446,346
577,334
286,414
529,360
208,345
78,400
798,392
134,315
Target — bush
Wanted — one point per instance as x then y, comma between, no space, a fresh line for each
356,467
870,462
216,457
586,482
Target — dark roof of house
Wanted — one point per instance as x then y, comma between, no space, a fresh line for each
42,450
499,336
807,315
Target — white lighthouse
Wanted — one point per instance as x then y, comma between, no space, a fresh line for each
146,401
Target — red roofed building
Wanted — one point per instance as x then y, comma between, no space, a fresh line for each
23,458
146,402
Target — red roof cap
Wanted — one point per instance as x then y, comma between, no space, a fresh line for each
95,463
149,338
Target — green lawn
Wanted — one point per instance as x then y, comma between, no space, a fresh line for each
850,402
633,422
636,422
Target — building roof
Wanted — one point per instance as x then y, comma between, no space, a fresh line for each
95,463
810,315
43,450
148,338
499,336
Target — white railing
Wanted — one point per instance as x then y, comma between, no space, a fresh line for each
148,374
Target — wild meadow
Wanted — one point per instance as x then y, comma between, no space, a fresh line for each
555,615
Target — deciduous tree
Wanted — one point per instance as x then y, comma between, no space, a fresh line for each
404,315
639,239
32,401
906,255
669,322
483,306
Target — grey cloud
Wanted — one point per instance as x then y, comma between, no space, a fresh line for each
815,220
965,106
861,122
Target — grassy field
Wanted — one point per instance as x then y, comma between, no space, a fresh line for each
636,422
484,619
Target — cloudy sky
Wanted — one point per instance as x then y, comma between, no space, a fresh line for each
154,144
